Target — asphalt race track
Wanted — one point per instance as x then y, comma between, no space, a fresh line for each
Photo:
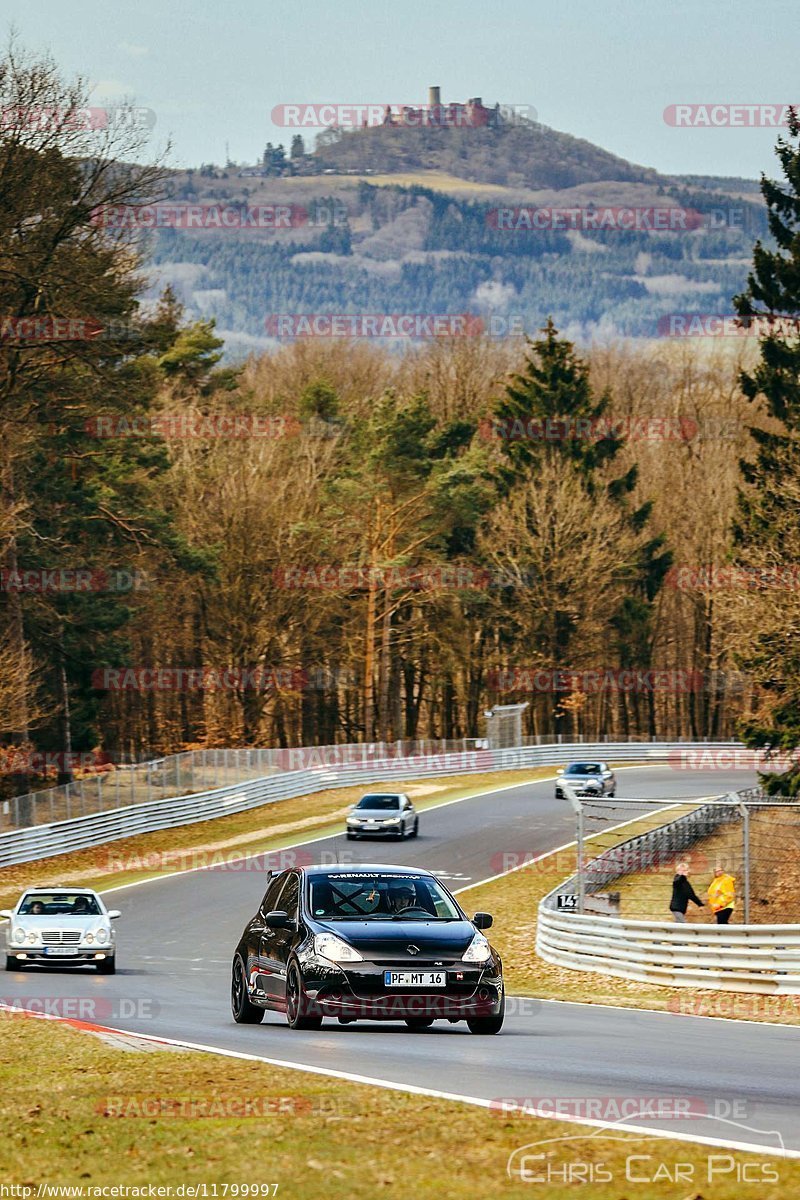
177,934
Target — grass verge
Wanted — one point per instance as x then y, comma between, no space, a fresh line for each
79,1112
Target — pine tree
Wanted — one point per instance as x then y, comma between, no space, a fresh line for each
768,521
550,414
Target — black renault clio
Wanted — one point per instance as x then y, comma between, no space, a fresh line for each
366,943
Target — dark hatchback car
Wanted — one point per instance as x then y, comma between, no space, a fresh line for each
378,943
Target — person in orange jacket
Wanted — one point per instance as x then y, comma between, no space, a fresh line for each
721,893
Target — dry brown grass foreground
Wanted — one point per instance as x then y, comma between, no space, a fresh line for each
78,1112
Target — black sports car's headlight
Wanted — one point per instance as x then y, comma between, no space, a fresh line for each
478,951
328,945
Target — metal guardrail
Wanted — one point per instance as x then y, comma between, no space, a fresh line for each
739,958
743,958
78,833
123,785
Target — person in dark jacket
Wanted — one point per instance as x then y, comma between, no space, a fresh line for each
682,893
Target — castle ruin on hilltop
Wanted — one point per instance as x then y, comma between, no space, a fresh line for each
473,114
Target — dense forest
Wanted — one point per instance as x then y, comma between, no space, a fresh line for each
334,542
410,249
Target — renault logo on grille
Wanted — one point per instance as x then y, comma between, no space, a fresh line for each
412,949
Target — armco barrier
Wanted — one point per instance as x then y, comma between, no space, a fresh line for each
45,841
739,958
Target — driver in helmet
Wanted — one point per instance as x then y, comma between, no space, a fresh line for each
401,897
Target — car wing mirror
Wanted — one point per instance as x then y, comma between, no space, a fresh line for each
278,919
6,912
113,913
483,920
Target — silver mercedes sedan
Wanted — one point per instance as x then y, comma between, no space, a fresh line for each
69,925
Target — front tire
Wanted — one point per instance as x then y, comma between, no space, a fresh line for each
300,1012
487,1025
107,966
415,830
419,1023
244,1013
11,963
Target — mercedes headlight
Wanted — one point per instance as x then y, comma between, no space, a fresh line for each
101,935
88,938
478,950
329,946
19,935
33,937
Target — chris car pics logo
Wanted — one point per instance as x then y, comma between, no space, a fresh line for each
638,1159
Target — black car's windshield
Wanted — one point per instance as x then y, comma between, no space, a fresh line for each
61,904
379,802
360,895
584,769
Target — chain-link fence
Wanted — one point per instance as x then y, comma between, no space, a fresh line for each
630,851
122,785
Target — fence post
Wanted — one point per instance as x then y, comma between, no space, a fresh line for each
745,811
577,808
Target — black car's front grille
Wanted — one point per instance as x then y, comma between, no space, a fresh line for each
414,964
367,985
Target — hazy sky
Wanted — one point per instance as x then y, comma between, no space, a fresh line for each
604,70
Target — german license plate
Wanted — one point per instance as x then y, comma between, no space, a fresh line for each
411,979
60,949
